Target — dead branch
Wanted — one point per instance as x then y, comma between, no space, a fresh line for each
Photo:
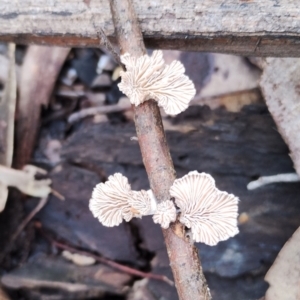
257,28
103,260
185,263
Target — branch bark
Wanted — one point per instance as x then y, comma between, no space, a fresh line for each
258,28
185,263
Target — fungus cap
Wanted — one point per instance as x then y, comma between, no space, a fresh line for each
109,202
210,213
165,214
150,78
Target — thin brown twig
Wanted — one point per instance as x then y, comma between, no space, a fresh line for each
91,111
104,41
184,260
30,216
101,259
58,195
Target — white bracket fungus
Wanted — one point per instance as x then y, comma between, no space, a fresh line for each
209,213
114,201
150,78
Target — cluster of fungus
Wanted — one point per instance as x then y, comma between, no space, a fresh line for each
210,214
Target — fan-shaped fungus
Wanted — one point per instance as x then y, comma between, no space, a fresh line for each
150,78
210,213
114,201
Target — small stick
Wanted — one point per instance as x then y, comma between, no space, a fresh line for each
106,109
263,180
106,261
109,47
30,216
57,195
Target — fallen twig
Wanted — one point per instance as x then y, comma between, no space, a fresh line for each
40,205
106,109
109,47
104,260
9,245
261,181
185,263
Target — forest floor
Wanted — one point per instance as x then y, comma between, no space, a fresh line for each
227,132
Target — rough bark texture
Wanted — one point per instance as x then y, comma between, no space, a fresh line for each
35,92
185,263
260,28
281,89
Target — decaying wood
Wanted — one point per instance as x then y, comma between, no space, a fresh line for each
259,28
189,279
7,120
284,275
281,89
40,69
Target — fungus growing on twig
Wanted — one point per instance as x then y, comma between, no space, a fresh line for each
109,202
150,78
209,213
165,214
114,201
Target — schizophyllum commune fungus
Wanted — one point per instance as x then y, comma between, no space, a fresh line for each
150,78
210,213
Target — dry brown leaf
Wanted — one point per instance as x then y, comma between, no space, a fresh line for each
284,275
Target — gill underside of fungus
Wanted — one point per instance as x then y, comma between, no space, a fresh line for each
150,78
209,213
